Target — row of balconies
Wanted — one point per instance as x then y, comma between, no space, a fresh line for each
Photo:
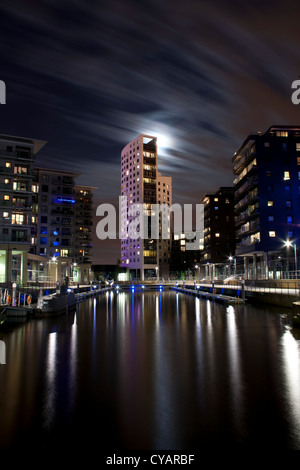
243,217
245,159
252,227
246,187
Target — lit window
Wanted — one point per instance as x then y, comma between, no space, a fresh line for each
217,235
289,219
298,147
18,219
286,175
5,214
8,165
272,233
216,199
7,181
298,160
271,218
282,134
270,203
6,197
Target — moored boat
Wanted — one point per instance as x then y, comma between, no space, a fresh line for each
55,304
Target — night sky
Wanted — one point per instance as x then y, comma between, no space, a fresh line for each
89,76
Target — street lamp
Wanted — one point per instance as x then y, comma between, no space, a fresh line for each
198,271
288,243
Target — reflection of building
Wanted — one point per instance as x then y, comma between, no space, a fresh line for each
17,157
139,186
267,175
219,231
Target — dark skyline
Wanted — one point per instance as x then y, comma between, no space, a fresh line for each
88,77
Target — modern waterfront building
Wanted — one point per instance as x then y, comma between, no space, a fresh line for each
142,185
63,225
186,255
164,196
267,211
17,158
219,230
83,233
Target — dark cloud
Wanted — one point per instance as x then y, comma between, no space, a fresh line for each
89,76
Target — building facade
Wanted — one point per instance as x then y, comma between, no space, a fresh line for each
219,230
63,228
83,233
140,183
17,159
267,187
164,196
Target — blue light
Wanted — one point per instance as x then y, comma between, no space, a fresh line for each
64,200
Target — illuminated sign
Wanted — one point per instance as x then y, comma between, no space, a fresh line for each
64,200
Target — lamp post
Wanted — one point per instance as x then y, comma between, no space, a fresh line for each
198,271
230,258
288,243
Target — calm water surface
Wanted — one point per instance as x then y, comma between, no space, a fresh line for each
151,371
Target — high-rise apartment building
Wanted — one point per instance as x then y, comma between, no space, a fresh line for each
17,157
267,188
164,196
143,186
63,224
83,233
219,229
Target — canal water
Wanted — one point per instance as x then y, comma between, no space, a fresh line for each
151,371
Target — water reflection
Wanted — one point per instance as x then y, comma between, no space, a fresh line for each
51,373
155,370
291,370
235,374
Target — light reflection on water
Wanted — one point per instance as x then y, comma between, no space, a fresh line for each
156,370
291,370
